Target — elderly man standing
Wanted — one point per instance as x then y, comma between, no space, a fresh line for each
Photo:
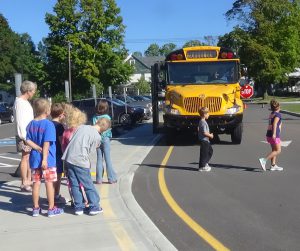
23,113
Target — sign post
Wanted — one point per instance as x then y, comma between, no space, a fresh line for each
94,94
67,90
18,81
112,105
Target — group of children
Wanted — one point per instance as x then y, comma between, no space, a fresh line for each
64,144
272,135
67,138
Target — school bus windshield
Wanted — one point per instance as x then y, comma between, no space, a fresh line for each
202,73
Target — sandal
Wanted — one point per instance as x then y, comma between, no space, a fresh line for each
25,188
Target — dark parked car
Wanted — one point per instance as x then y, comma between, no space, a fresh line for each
131,101
6,113
141,98
147,111
120,115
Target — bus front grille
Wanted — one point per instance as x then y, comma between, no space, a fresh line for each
193,104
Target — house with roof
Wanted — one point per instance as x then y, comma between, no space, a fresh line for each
142,67
294,80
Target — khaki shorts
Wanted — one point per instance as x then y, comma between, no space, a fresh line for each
21,145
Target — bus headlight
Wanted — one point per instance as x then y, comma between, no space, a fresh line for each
174,111
170,110
233,110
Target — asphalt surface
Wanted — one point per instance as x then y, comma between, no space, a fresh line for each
241,206
121,226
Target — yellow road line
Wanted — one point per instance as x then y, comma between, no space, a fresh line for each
206,236
124,241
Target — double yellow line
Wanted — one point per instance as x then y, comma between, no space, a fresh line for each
200,231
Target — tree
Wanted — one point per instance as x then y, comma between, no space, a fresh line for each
210,40
7,40
137,54
18,54
192,43
167,49
95,32
142,85
270,44
153,50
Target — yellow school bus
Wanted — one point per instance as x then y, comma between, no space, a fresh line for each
193,77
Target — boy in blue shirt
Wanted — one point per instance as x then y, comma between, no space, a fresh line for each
41,137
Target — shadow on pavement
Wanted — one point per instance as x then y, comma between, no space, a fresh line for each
244,168
15,201
186,168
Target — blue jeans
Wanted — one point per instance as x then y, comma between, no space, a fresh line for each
79,175
104,150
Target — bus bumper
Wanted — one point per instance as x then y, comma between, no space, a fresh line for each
217,123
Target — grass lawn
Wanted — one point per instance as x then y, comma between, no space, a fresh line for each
291,107
279,99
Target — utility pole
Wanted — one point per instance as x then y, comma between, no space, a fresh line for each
69,59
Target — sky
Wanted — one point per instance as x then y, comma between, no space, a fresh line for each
147,22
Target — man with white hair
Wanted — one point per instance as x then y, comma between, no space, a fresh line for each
23,113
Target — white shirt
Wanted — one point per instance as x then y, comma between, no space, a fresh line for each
23,113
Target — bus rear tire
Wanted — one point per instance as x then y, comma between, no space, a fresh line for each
236,134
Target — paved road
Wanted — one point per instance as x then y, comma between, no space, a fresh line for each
9,158
241,207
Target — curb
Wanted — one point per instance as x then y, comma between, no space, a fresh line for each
290,113
148,228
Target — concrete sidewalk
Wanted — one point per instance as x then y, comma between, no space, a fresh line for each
122,226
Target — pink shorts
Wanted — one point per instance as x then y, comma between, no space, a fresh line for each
273,141
49,175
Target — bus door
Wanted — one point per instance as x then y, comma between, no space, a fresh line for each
158,85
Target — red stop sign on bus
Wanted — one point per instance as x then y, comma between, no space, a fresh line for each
246,91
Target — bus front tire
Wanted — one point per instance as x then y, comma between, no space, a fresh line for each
236,134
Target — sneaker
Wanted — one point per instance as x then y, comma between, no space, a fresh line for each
36,211
55,211
59,199
112,182
79,211
276,168
95,210
207,168
263,162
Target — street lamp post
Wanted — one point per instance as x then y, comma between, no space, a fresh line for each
69,59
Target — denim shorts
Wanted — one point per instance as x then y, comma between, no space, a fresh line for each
49,175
